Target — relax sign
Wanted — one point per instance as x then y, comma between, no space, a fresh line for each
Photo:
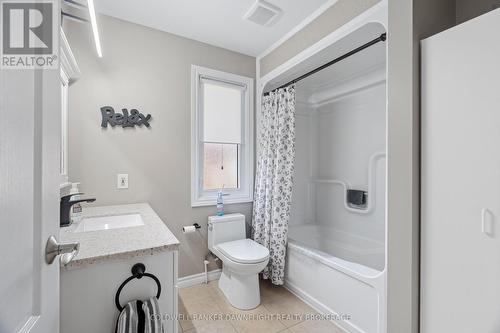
124,119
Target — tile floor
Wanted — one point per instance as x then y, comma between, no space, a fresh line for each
208,300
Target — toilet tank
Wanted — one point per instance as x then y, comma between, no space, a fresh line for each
225,228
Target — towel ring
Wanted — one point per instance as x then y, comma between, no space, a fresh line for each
138,271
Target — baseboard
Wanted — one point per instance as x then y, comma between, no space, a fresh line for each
193,280
312,302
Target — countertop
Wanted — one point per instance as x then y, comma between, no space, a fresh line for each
102,245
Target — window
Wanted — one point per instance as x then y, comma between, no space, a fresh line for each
222,136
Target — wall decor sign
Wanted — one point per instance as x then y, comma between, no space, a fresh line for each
124,119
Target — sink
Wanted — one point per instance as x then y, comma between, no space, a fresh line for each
107,222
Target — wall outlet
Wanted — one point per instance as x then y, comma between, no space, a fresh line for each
122,181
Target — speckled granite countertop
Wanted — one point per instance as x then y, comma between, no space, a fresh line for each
98,246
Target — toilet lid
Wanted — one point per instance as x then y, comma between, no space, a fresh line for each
244,251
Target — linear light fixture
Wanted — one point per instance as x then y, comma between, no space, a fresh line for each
93,22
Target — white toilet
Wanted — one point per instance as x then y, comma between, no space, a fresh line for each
242,259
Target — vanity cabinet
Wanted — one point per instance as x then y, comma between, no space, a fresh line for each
88,293
108,252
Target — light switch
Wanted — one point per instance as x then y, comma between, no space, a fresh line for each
122,181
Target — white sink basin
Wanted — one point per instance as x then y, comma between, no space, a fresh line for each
96,223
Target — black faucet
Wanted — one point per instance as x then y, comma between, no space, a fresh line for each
65,208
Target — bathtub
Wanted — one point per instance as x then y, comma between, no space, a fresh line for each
338,274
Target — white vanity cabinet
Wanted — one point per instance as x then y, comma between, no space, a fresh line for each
88,293
89,282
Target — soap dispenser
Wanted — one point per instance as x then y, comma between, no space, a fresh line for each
76,209
220,203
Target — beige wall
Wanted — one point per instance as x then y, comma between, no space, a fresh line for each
433,16
334,17
468,9
148,70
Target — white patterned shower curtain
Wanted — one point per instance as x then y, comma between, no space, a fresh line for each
274,178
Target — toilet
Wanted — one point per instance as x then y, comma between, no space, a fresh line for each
242,260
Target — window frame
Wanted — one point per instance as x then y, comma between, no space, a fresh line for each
199,196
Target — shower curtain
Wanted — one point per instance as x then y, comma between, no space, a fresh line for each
274,178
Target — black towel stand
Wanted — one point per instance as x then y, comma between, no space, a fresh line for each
138,271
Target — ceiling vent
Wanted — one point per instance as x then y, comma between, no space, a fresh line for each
263,13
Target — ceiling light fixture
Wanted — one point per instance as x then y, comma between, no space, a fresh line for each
95,31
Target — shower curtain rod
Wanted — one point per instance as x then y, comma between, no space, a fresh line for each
381,38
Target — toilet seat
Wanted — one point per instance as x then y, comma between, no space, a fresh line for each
244,251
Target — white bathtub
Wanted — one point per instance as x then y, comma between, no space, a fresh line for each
336,274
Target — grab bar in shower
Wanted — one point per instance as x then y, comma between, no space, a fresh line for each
345,185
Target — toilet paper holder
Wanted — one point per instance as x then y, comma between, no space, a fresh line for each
189,228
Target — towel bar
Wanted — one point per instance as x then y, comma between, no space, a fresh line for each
138,271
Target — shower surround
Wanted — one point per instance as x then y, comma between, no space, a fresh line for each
336,251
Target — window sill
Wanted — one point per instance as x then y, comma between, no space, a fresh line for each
202,202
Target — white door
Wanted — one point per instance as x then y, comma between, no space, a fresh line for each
30,128
460,244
